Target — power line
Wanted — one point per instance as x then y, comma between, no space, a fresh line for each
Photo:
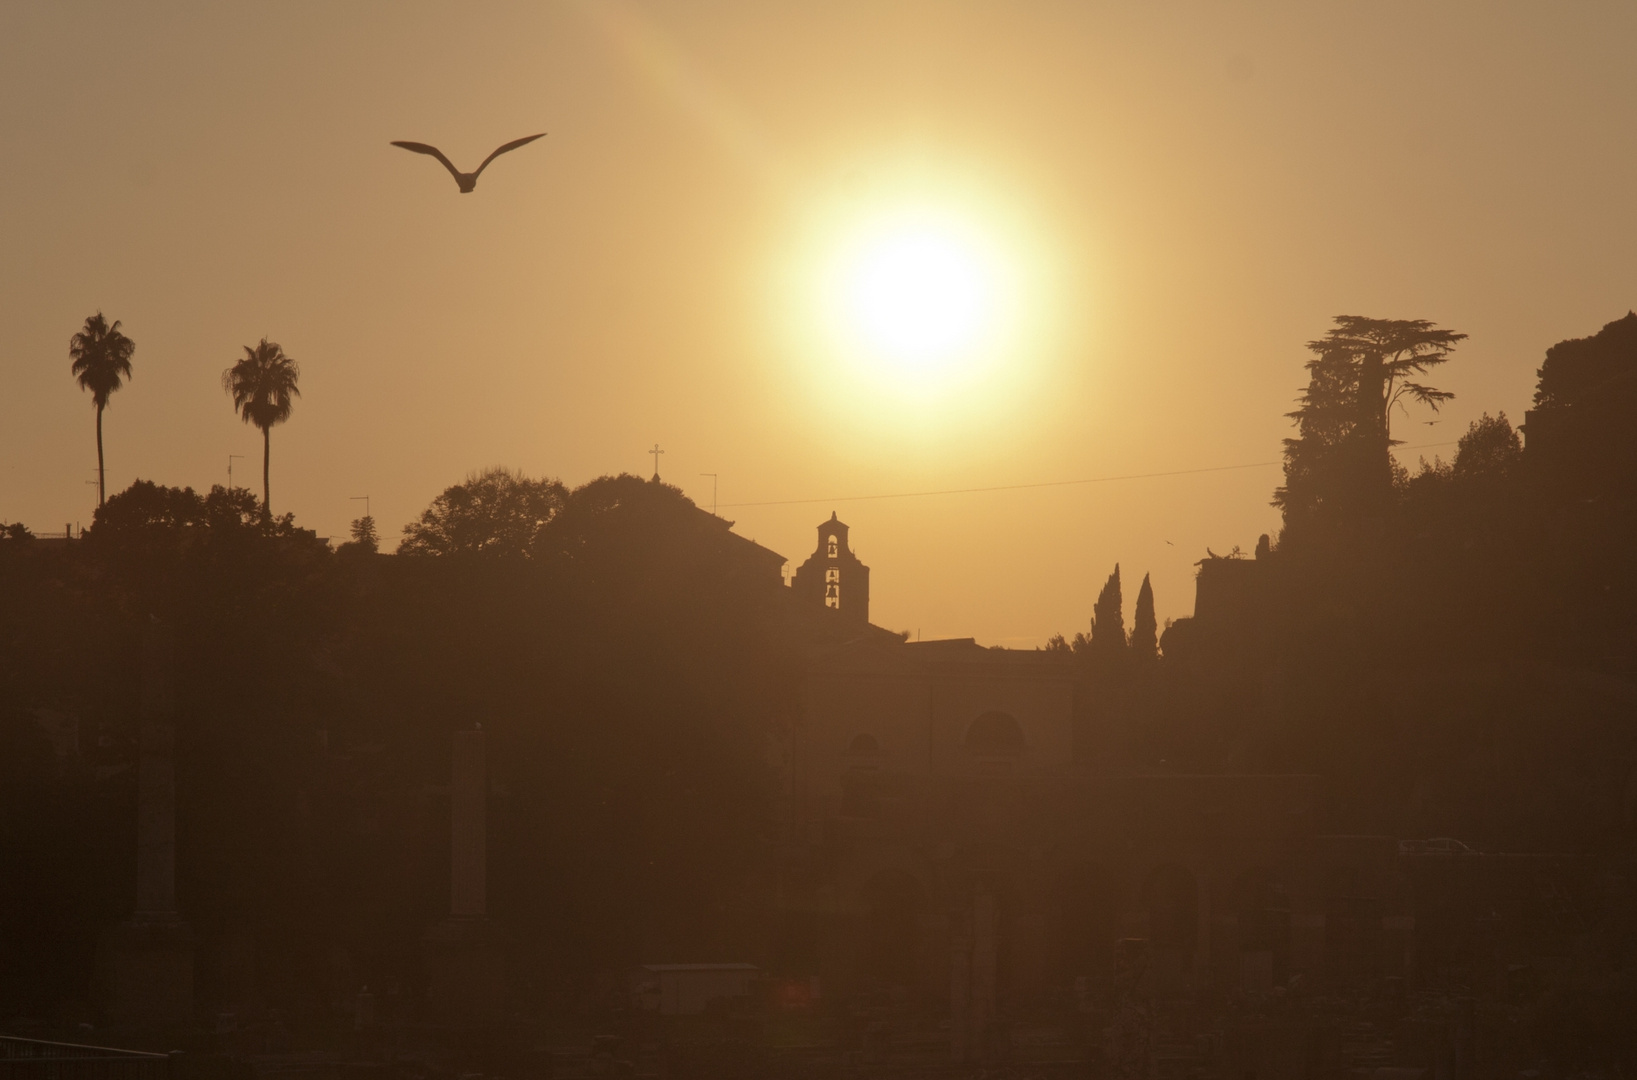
1042,484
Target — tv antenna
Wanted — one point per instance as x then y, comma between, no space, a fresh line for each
656,451
355,498
713,490
230,458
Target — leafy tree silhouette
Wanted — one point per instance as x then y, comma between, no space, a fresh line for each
1107,620
1580,444
365,535
495,512
102,359
1145,642
1489,452
1338,468
263,387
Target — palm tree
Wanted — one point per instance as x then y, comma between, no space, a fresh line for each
102,358
263,385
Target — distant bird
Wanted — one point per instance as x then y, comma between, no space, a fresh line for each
1429,423
466,181
1169,542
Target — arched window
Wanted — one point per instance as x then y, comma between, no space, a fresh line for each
832,549
863,745
994,734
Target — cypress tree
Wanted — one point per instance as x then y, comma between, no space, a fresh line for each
1145,641
1107,619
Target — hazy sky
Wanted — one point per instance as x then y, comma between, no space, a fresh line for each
1179,196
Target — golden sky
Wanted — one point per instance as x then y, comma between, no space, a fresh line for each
1175,196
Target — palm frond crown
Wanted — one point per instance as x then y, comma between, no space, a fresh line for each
263,384
102,358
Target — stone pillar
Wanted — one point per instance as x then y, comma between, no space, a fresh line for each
985,966
468,833
465,956
145,964
156,814
1202,933
1130,1050
960,989
973,974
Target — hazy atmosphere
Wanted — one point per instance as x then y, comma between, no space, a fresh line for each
640,540
1159,204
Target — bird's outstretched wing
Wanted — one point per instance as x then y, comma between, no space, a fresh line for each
513,145
422,148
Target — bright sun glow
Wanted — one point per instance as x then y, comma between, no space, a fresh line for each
916,297
918,293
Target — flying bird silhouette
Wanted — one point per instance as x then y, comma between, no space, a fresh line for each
466,181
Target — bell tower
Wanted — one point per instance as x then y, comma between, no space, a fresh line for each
833,577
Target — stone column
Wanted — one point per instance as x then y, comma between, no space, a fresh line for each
985,965
145,964
468,833
465,953
156,780
960,989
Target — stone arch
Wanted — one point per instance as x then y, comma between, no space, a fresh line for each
994,734
864,745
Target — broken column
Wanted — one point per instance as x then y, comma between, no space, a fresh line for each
145,964
464,953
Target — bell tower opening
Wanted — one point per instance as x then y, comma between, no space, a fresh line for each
832,577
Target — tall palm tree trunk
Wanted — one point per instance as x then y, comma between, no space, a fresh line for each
102,483
266,487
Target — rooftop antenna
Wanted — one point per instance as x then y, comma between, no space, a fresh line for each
230,458
656,451
713,490
355,498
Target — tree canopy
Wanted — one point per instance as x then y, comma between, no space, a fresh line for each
1107,618
1338,468
495,512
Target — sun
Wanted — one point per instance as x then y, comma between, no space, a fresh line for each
915,298
918,293
915,293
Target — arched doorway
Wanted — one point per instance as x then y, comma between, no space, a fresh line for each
892,936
